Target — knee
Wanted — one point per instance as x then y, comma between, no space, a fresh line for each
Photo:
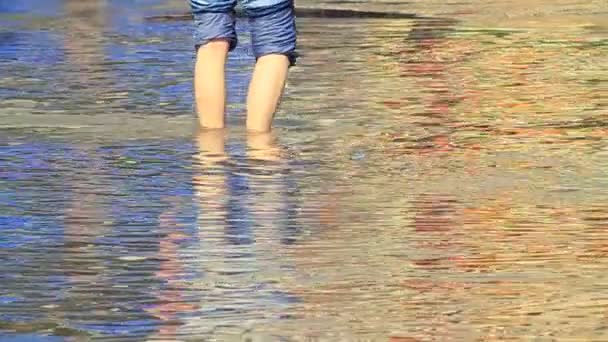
273,30
219,45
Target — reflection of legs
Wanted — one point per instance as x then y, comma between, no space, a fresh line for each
210,181
273,34
212,190
172,301
219,261
210,185
266,203
84,48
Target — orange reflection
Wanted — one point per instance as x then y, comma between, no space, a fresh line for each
171,301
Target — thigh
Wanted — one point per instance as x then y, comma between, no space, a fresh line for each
273,27
214,20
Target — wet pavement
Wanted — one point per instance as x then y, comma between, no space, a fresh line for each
443,178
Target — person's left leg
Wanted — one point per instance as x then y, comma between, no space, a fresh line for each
209,83
273,34
215,36
265,91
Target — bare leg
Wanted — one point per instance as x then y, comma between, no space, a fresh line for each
265,90
209,83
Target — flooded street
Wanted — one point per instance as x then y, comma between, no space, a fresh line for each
440,178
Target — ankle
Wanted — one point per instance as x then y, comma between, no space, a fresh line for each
211,124
258,127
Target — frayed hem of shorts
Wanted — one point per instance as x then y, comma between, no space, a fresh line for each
291,56
232,43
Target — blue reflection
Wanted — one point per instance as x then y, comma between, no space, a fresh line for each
31,338
37,7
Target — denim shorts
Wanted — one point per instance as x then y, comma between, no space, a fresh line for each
272,22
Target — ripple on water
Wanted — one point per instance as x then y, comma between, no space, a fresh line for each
428,179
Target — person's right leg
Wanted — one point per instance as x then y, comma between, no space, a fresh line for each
265,91
273,33
214,36
209,83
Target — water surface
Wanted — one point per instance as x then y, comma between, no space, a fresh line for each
437,179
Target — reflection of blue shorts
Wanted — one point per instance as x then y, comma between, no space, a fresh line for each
273,27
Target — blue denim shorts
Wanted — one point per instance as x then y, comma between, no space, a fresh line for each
272,22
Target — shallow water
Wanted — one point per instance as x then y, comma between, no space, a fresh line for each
428,180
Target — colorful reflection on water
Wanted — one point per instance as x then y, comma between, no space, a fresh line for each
429,179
